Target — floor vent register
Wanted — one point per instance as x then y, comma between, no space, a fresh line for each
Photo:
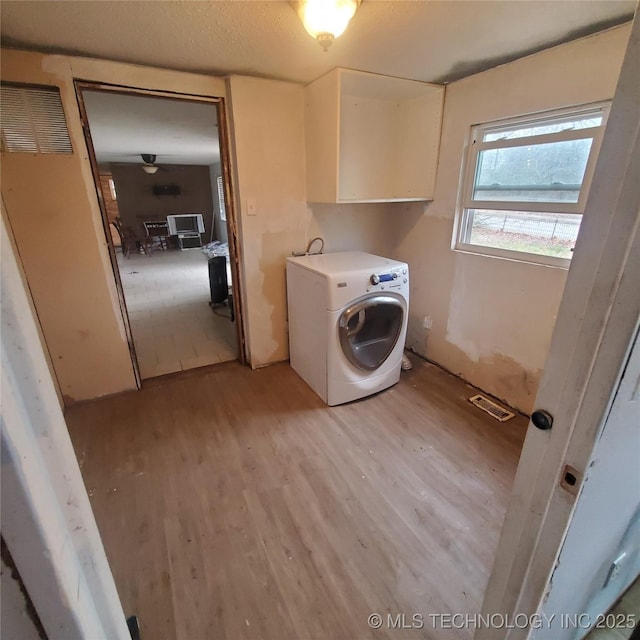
493,409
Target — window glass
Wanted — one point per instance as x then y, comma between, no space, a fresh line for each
570,124
551,172
537,233
525,184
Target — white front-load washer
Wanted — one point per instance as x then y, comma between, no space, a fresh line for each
347,322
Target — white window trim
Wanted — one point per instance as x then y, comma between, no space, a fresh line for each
475,145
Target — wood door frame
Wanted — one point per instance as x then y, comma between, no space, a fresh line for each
225,163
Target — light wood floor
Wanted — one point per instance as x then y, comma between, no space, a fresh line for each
172,323
234,504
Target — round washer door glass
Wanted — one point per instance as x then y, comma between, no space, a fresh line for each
369,330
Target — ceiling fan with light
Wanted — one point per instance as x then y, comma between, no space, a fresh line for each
149,163
149,160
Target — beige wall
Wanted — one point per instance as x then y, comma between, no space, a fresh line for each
53,210
58,244
353,227
269,155
268,130
493,318
53,213
61,241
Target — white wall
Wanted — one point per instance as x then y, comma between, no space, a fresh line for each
493,318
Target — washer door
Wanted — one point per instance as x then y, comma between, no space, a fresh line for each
369,330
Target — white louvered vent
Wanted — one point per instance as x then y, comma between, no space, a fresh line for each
33,120
494,410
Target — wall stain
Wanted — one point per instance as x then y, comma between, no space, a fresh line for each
272,331
498,375
68,400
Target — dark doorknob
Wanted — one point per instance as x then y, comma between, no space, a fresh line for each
542,419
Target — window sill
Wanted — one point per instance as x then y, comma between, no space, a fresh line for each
512,256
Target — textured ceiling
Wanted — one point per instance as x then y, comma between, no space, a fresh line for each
123,127
432,41
424,40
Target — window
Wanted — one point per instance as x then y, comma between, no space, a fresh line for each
112,189
526,182
223,209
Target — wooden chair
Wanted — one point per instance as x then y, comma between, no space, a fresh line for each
131,241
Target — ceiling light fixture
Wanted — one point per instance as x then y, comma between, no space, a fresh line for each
149,165
325,20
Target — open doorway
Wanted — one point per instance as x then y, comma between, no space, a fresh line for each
161,182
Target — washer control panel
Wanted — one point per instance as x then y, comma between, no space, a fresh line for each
382,277
391,278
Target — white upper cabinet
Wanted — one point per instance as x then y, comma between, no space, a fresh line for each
371,138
